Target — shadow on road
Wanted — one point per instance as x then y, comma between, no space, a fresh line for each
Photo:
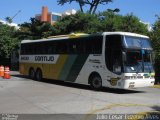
86,87
156,108
20,76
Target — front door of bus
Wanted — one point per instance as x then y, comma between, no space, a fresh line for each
113,57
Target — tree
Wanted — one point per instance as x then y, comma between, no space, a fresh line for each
93,4
8,19
35,30
114,22
105,21
131,23
110,21
155,39
79,22
155,36
8,41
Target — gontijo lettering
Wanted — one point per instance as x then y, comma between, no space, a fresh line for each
44,58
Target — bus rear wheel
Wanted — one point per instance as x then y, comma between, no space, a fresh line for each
31,73
96,82
38,75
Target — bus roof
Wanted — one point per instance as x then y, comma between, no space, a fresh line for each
125,34
59,37
42,40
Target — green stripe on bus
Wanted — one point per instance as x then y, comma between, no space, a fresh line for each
67,67
76,67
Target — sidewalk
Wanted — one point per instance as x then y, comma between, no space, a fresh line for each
14,73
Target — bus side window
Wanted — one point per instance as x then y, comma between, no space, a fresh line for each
81,46
42,49
48,48
94,45
28,49
97,45
72,47
89,45
22,49
61,47
54,46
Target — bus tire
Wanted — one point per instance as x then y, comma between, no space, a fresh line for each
39,75
31,73
96,82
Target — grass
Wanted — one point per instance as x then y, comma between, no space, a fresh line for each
156,86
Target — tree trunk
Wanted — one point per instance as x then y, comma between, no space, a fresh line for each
95,7
81,6
94,10
91,8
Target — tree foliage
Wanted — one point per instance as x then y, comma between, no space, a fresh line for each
35,30
105,21
155,39
78,23
132,23
8,19
83,22
115,22
155,36
8,41
93,4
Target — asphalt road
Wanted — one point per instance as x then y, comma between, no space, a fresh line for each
20,95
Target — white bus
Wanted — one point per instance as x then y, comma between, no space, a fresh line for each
110,59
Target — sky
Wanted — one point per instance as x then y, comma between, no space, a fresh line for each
145,10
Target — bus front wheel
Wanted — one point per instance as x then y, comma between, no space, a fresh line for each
96,82
38,75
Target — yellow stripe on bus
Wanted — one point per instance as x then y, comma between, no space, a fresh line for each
50,71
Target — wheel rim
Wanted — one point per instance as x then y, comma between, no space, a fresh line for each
96,82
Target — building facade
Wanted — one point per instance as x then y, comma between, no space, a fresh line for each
46,16
53,17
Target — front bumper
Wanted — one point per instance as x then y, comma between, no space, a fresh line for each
137,83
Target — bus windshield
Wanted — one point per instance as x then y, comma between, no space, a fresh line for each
138,61
136,42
